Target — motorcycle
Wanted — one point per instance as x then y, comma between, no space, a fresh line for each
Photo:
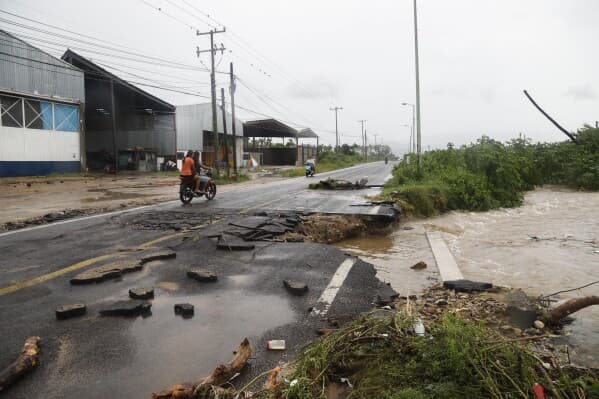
186,192
309,170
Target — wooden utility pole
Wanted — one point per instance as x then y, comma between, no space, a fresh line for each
212,51
222,95
233,127
336,109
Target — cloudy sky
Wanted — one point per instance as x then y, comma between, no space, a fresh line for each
297,59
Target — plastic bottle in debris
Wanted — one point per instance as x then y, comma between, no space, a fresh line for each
418,327
276,344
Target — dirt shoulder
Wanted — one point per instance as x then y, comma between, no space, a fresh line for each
36,200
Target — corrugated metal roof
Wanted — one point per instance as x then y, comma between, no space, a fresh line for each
268,128
306,133
26,69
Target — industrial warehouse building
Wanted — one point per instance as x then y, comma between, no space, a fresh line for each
194,132
127,128
41,102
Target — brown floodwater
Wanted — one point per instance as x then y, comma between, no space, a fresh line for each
548,244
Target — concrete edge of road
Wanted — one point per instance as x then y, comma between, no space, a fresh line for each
448,267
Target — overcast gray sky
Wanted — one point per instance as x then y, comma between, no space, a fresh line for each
300,58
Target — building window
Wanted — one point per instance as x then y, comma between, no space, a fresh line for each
66,118
38,115
11,111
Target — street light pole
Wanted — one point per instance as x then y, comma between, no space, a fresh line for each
363,142
418,139
410,149
336,109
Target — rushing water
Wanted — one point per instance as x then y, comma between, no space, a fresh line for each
550,243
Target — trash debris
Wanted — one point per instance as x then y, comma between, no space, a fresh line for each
275,344
68,311
419,266
202,275
418,327
141,293
27,360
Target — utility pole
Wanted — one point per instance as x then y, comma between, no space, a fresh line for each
363,140
212,51
419,143
336,109
222,95
365,147
114,141
375,151
233,127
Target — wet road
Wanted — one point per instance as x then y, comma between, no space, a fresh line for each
98,357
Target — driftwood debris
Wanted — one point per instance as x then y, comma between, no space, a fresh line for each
26,361
571,306
203,388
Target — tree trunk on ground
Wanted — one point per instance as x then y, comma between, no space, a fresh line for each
221,374
571,306
25,362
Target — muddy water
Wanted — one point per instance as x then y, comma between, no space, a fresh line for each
548,244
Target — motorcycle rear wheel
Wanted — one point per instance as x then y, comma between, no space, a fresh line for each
185,194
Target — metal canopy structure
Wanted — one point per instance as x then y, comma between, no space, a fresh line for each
306,133
268,128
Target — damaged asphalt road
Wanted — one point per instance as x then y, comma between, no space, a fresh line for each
96,356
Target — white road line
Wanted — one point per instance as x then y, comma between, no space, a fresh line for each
375,210
328,295
43,226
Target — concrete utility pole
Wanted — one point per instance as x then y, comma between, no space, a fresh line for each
233,128
222,95
418,139
212,51
114,141
365,146
336,109
375,151
363,141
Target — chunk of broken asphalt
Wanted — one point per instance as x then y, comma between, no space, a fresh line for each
158,255
202,275
184,309
107,271
126,308
466,285
296,287
68,311
519,310
419,266
234,244
141,293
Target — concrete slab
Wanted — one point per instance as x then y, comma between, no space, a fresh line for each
448,268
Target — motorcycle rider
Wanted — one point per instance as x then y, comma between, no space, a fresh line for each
198,165
188,172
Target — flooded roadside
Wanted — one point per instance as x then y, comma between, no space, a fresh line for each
549,244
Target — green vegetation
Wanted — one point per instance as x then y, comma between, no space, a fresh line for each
223,179
381,357
489,174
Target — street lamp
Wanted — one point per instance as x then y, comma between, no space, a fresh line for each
412,141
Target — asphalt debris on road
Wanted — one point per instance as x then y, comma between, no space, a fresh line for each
130,307
69,311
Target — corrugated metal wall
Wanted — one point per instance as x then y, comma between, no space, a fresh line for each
26,69
192,120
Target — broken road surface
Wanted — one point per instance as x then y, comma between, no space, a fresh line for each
134,355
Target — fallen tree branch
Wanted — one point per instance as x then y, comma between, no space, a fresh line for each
571,306
221,374
26,361
572,289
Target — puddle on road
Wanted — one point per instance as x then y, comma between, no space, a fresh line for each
109,195
171,349
548,244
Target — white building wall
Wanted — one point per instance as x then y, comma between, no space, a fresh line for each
34,145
